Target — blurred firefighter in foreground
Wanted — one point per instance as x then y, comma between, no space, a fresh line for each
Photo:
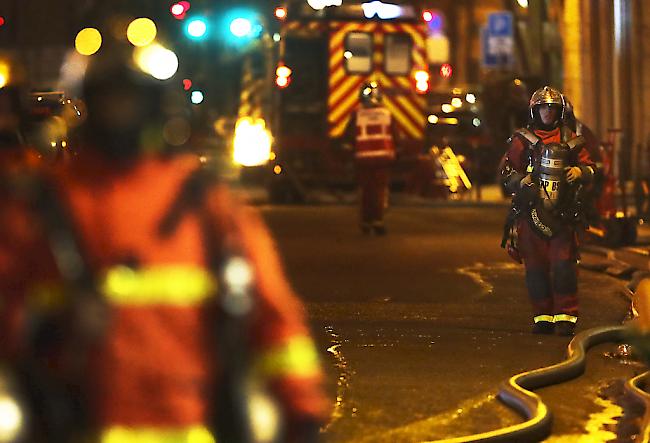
140,300
373,130
545,169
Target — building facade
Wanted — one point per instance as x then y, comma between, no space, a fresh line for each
607,74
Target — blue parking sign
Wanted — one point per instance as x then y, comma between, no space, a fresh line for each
500,24
496,51
488,60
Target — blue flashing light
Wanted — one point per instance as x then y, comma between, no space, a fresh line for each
436,23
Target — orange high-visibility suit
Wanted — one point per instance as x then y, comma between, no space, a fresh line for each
374,156
154,368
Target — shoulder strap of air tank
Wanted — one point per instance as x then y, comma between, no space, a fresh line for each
576,142
529,136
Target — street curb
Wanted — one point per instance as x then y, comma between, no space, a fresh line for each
633,268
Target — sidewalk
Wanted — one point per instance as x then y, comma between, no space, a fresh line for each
630,263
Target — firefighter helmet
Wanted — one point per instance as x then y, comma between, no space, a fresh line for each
370,95
124,104
547,96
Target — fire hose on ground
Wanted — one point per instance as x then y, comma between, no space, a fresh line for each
517,393
636,388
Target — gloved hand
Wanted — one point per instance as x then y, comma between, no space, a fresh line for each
526,181
573,173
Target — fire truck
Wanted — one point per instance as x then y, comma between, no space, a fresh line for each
319,63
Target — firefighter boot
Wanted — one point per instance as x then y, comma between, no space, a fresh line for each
379,228
565,328
543,327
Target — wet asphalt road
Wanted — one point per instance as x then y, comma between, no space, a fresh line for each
417,329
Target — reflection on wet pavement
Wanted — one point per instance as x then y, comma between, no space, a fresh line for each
424,371
600,426
343,378
477,272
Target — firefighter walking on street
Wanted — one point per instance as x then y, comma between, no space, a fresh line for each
141,300
545,169
374,132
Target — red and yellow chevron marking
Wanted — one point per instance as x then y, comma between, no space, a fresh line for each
416,32
312,26
407,107
343,87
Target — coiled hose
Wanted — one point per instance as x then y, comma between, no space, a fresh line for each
516,391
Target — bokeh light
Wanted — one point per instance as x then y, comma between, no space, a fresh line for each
88,41
157,61
141,31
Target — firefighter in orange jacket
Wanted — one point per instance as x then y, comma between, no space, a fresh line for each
188,293
544,169
374,132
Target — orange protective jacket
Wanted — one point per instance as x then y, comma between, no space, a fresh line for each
156,365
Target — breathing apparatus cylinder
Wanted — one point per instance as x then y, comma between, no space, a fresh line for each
554,158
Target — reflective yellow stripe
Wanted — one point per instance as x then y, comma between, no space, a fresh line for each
337,130
347,86
566,317
297,357
167,285
193,434
548,318
344,107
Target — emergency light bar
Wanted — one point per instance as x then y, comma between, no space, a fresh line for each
352,10
321,4
384,11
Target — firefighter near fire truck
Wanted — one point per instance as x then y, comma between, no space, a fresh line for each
545,170
323,58
373,131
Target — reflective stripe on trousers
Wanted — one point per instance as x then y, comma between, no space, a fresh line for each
555,318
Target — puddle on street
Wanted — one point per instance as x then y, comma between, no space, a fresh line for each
343,378
600,427
477,271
